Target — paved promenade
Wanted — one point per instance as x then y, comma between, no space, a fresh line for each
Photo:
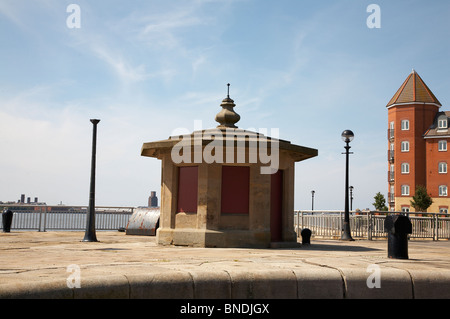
59,265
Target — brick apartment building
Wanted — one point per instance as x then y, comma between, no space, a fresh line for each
418,150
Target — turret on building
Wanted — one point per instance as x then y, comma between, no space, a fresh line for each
418,136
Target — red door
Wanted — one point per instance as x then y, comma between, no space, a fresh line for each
187,189
276,206
235,189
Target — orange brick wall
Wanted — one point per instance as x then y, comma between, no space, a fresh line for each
420,118
433,158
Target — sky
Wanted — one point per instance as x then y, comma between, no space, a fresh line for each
312,69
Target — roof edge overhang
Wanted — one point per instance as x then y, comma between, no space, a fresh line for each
246,139
413,103
436,136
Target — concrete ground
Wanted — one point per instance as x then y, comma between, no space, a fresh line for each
59,265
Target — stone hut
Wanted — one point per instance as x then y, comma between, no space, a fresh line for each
227,187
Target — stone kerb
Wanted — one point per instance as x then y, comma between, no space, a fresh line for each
316,282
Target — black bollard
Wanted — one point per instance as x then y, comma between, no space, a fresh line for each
398,227
306,236
7,216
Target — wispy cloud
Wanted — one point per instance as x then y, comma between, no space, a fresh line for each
123,68
161,30
12,11
160,47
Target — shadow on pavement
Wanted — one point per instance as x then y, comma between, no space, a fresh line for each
326,247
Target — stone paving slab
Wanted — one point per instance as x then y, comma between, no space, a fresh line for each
45,264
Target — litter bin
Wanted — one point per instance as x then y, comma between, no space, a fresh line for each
398,227
7,216
306,236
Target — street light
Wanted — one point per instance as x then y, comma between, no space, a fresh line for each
347,137
312,198
351,198
89,235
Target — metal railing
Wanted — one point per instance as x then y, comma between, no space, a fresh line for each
363,224
391,176
390,133
391,157
370,224
42,218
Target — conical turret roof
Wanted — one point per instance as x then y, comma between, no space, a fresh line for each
413,90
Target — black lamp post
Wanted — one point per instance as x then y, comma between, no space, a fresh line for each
347,137
351,198
312,199
90,218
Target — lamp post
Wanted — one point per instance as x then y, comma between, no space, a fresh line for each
347,137
351,198
89,235
312,199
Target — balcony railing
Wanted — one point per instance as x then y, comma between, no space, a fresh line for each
391,198
391,176
390,134
391,156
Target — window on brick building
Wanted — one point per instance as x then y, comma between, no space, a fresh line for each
443,190
405,146
442,146
443,210
442,168
405,125
405,168
405,190
442,123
